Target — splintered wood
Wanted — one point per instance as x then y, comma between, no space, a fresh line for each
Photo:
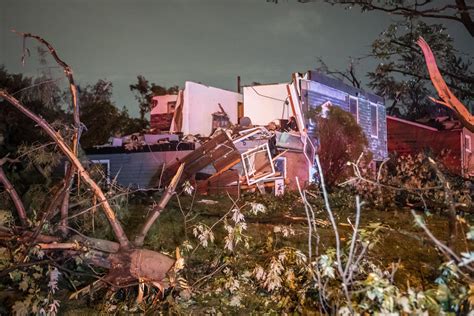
218,151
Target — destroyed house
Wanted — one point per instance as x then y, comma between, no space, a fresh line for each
229,142
194,110
264,103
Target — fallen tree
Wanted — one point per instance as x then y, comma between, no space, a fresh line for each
127,262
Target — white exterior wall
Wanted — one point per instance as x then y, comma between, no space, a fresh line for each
162,103
201,101
266,103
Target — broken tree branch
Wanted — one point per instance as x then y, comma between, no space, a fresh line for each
20,208
109,213
459,12
69,176
139,239
448,98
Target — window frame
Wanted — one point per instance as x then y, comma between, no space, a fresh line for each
357,106
103,162
466,142
376,106
247,162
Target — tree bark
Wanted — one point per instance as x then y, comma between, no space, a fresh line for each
125,267
20,208
465,17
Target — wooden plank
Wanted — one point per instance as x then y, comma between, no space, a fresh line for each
232,190
212,150
227,161
224,178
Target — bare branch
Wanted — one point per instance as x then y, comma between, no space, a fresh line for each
139,239
20,208
69,177
459,12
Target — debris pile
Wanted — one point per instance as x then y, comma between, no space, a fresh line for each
235,159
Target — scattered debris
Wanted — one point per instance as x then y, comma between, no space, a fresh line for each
207,202
227,153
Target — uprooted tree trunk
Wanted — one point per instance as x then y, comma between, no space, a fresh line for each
126,262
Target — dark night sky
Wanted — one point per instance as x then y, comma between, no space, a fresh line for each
209,41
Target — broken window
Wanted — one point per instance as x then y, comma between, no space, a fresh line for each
289,141
258,164
354,107
279,164
374,122
467,143
171,106
101,170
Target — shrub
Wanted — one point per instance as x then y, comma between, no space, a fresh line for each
341,140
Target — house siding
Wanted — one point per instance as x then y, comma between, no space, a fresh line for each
408,138
135,169
314,94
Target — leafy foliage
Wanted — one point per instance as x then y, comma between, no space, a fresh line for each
102,118
144,92
341,140
14,129
410,180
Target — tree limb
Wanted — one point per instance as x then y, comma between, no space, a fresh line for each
20,208
139,239
443,91
109,213
459,12
69,176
